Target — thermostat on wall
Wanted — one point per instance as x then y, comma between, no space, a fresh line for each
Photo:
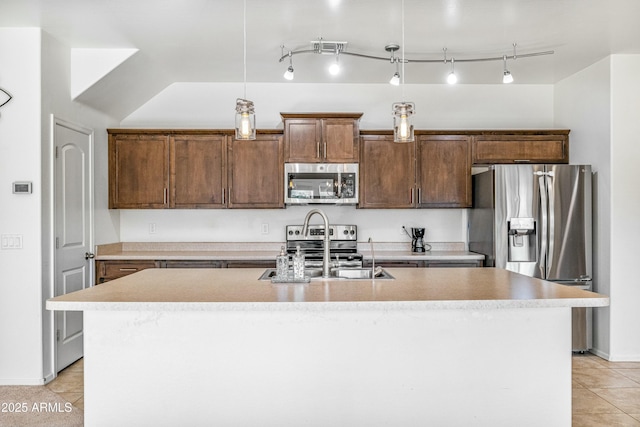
23,187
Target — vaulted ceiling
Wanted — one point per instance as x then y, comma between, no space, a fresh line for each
202,40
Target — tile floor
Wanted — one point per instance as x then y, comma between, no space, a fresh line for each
604,393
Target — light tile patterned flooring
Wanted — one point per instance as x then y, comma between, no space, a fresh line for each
604,393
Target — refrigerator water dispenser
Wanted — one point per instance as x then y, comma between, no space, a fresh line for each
522,239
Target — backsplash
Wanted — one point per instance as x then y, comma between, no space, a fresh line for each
249,225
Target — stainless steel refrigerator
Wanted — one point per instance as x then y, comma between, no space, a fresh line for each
536,220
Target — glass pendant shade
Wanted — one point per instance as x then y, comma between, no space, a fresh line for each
245,119
507,77
402,121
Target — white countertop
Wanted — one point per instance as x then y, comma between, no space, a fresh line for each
240,289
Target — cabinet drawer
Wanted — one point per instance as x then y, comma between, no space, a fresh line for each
192,264
109,270
452,264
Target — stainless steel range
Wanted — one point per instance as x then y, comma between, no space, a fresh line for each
343,244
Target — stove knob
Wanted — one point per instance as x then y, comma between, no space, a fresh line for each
346,231
290,233
353,232
297,232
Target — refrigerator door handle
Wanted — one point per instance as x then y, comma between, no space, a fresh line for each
550,237
543,219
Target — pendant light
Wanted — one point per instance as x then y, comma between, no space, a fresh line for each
403,111
245,113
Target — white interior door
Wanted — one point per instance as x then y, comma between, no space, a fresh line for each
73,147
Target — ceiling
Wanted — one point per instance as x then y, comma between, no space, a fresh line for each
202,40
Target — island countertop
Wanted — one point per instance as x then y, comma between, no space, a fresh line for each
240,289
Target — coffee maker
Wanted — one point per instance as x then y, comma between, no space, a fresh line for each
417,242
417,239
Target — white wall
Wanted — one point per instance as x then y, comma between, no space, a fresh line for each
211,105
35,70
600,104
583,104
21,354
625,204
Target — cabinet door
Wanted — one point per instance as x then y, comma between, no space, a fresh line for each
339,142
488,149
302,140
387,173
256,177
444,171
138,171
198,174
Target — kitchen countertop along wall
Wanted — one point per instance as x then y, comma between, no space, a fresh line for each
259,251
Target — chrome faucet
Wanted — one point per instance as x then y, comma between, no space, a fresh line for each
326,260
373,259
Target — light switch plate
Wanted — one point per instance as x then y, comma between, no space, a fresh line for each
11,241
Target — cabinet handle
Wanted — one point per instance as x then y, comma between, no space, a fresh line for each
129,269
521,161
325,150
411,196
317,149
224,193
164,197
419,196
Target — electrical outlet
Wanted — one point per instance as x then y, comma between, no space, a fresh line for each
264,228
152,228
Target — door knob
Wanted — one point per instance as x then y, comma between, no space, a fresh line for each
88,255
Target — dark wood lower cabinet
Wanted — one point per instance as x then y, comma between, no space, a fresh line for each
425,263
109,270
113,269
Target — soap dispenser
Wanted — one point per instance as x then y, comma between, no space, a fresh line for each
298,265
282,264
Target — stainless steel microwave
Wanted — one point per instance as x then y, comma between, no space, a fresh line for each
320,183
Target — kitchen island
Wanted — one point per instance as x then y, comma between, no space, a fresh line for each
432,347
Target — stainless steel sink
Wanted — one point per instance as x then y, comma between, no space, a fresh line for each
337,274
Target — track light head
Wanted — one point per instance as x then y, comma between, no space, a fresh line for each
395,80
452,78
506,75
289,73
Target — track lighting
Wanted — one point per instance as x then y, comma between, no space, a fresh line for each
395,80
334,69
289,73
452,78
339,48
506,74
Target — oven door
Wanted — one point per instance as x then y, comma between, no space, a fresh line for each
321,183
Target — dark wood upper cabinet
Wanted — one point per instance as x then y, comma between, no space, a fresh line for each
138,171
321,137
198,173
387,173
522,148
256,173
443,171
